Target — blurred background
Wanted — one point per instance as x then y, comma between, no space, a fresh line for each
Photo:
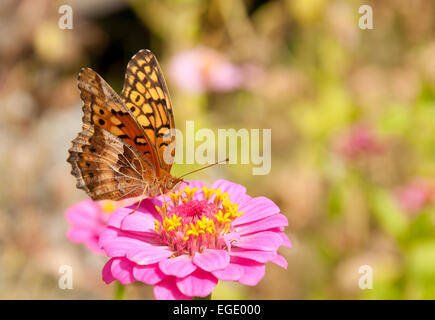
352,115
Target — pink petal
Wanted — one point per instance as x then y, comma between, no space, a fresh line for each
192,184
244,199
107,273
258,256
285,240
80,235
139,221
108,234
231,237
94,248
149,206
198,284
253,272
117,216
256,209
121,246
118,243
121,270
199,194
149,274
168,290
267,241
180,266
232,272
280,261
211,260
274,221
83,213
236,191
149,254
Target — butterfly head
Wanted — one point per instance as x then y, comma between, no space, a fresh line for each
168,182
174,183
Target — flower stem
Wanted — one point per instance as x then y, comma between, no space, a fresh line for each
203,298
119,291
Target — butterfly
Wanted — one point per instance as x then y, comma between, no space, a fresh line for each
126,145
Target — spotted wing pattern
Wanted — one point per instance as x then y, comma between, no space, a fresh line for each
102,107
120,152
146,95
108,168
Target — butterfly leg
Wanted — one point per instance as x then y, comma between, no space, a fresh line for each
163,196
140,201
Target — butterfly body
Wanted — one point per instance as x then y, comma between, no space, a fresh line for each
120,153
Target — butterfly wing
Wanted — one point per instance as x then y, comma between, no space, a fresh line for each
146,95
106,167
102,107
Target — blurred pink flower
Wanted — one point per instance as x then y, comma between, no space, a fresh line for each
361,140
188,241
413,197
204,69
87,220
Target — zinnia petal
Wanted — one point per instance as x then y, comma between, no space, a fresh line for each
121,269
107,272
211,260
236,191
268,241
117,216
87,221
253,272
168,290
256,255
285,240
256,209
139,221
198,284
149,254
83,213
232,272
193,184
280,261
274,221
149,274
121,246
180,266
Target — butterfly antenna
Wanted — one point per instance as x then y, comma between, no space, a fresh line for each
140,201
210,165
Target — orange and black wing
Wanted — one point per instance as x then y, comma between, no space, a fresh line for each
102,107
106,167
146,95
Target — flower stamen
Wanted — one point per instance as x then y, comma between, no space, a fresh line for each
193,223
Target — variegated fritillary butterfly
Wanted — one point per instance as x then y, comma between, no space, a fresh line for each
120,151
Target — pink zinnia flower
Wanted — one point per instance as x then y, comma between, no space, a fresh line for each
414,196
203,69
188,241
87,220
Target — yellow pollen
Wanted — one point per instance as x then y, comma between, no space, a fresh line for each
207,192
108,206
192,231
157,225
162,210
172,223
202,228
190,192
175,197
